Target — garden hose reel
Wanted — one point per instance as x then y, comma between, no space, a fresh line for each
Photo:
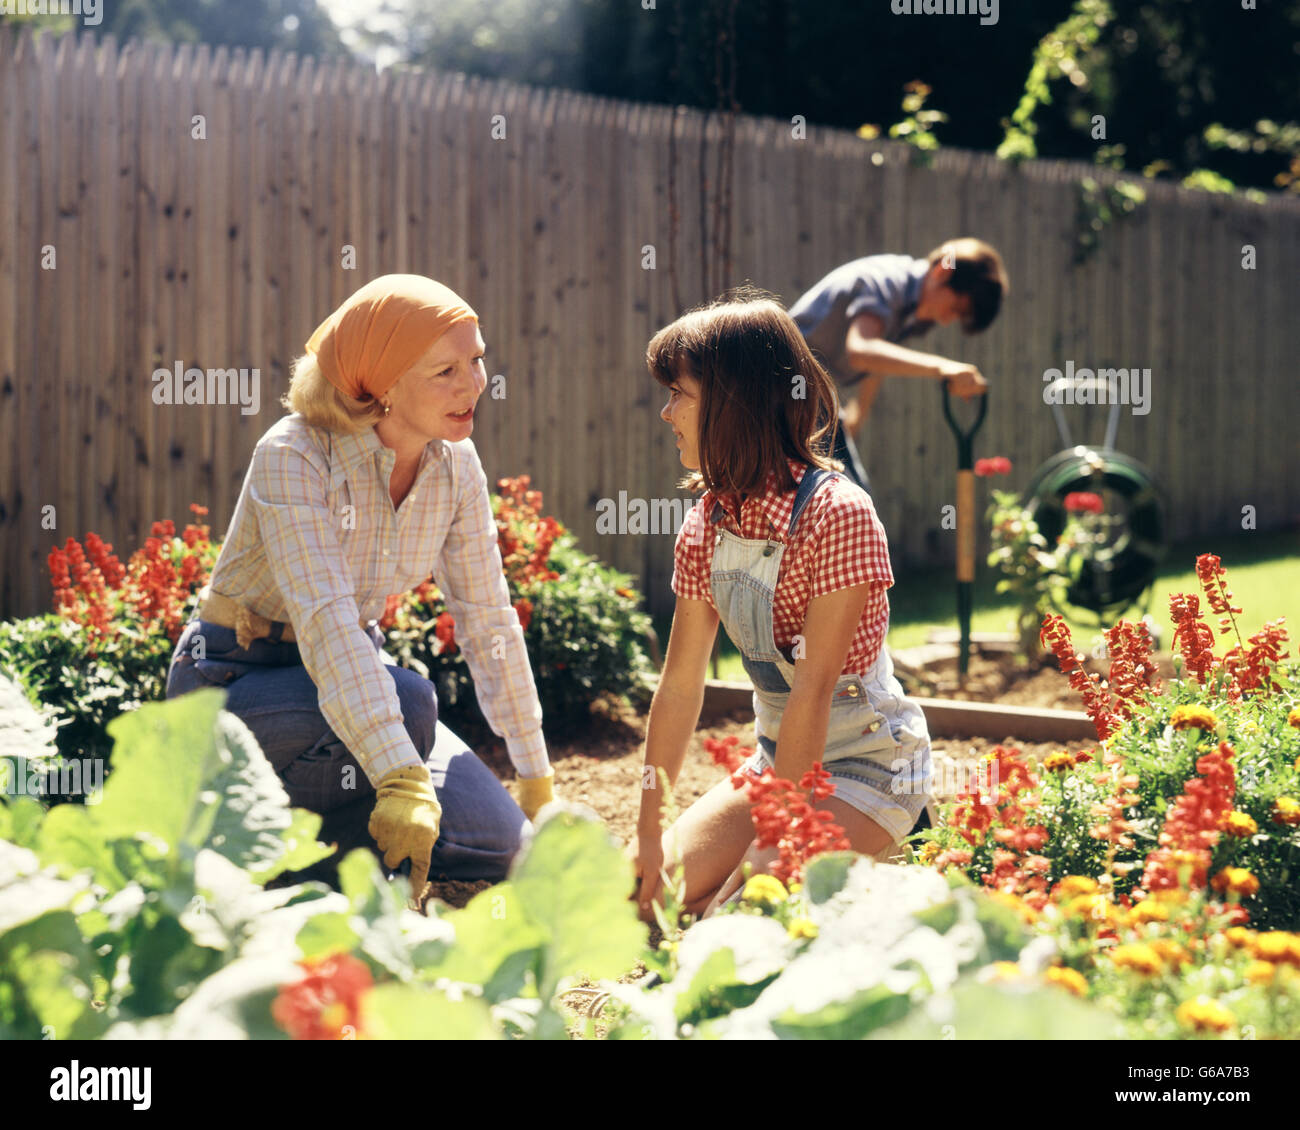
1120,565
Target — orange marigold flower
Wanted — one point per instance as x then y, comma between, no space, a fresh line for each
1073,885
1239,937
326,1001
1171,952
1293,719
1058,762
1149,911
1069,979
1139,957
1279,947
1194,717
1286,810
1259,973
1205,1015
1239,824
1237,880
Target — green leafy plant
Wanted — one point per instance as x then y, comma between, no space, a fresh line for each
1061,53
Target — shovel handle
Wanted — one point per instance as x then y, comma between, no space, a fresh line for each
965,461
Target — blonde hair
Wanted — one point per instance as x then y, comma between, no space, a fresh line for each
323,405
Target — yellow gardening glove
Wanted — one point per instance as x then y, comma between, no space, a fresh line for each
534,792
405,820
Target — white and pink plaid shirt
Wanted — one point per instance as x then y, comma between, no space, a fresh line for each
838,543
315,541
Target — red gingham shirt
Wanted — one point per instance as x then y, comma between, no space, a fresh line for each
837,544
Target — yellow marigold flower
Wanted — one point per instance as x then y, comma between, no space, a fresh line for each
928,851
1205,1015
1286,810
1239,824
1058,762
1073,885
1259,973
1139,957
1148,910
1174,896
1001,971
1279,947
802,928
1006,898
1193,717
795,888
1171,952
766,890
1293,719
1069,979
1239,937
1237,880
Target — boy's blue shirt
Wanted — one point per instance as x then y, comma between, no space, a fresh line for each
888,286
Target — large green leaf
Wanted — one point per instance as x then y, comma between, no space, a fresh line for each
496,943
46,975
417,1012
849,1019
573,883
250,823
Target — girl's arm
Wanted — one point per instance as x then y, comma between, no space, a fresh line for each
828,630
676,706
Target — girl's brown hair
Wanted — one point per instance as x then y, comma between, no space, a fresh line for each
764,398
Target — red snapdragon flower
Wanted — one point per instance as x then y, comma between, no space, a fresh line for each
994,465
1084,502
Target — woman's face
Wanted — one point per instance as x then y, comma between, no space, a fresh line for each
682,413
435,397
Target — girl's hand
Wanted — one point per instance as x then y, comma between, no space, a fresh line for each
648,857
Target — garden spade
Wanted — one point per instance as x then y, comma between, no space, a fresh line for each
965,520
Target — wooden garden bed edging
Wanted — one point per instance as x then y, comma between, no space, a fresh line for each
945,718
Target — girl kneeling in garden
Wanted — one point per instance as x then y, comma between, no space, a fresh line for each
792,558
371,483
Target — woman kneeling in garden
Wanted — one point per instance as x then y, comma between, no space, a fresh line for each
369,484
792,558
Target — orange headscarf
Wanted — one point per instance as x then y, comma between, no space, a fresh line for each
382,330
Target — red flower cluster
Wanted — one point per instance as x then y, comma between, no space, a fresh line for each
1096,698
783,816
326,1003
1191,636
444,628
1133,671
1017,867
1192,827
524,536
1249,666
155,584
1084,502
996,465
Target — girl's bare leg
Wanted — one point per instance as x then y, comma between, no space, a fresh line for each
709,840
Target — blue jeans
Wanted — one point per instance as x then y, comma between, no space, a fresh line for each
269,690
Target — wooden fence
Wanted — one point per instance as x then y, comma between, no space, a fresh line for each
162,204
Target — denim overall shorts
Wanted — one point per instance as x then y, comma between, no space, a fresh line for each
877,745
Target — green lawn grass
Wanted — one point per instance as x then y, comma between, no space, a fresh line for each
1263,572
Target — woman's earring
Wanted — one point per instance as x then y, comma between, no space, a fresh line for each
387,408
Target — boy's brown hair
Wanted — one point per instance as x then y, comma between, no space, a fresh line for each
763,396
977,271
